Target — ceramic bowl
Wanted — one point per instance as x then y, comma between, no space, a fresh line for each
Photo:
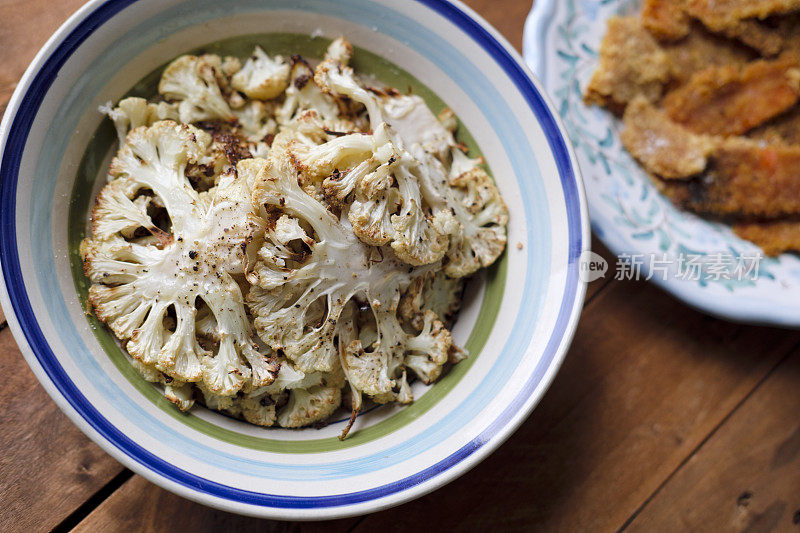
700,262
518,319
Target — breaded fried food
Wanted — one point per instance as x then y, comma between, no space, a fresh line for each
788,28
631,63
784,129
749,179
701,49
742,20
719,134
671,20
732,101
720,15
663,147
756,35
678,191
666,19
774,238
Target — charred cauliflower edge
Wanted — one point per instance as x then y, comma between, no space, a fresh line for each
272,232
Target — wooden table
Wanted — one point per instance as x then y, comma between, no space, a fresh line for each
661,419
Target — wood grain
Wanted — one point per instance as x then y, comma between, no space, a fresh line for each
26,25
747,476
508,16
48,466
141,506
644,383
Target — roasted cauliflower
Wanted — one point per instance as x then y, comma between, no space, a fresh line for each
277,238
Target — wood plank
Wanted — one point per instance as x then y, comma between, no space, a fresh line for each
27,24
508,16
746,477
141,506
48,466
645,382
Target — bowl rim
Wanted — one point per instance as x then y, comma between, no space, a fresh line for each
17,120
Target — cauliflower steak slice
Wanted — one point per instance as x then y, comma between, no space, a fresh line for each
463,218
138,287
308,272
299,295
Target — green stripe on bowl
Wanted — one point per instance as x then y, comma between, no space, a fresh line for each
103,141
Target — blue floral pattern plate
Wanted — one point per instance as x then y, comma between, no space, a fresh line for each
701,262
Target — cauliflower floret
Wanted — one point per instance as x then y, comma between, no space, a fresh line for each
340,51
230,66
388,205
262,77
304,94
417,217
259,410
400,393
181,394
289,377
461,163
338,80
447,118
436,292
133,112
411,118
483,216
137,287
118,210
219,402
307,406
255,121
193,82
428,352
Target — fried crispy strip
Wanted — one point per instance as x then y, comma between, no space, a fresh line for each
701,49
756,35
719,15
739,19
751,179
732,101
784,129
663,147
774,238
631,63
666,19
788,28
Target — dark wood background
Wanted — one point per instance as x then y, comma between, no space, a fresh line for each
661,419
